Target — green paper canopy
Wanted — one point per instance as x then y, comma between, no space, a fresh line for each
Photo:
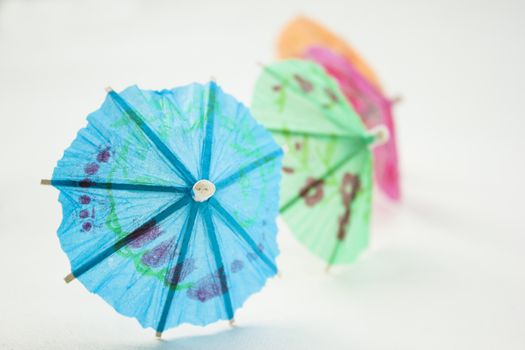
327,183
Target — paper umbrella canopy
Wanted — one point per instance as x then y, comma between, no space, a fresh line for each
373,108
326,189
169,203
302,32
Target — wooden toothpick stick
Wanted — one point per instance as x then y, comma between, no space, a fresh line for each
396,99
69,278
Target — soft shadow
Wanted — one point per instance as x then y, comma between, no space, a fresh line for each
247,337
386,269
430,212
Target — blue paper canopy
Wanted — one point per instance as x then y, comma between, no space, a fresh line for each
169,202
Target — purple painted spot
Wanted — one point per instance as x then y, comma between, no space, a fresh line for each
252,255
145,234
158,256
84,213
91,168
237,265
84,199
180,271
86,226
85,183
208,287
103,156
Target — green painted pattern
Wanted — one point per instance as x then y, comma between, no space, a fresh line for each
139,147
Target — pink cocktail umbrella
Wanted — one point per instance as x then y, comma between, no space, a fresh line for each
373,108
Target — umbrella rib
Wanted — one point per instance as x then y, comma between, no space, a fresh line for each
218,262
178,270
227,181
114,186
240,231
208,138
130,237
305,190
334,253
164,150
309,133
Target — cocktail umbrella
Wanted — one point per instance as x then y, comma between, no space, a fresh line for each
373,108
302,32
169,202
326,191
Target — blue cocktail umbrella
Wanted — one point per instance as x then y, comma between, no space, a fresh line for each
169,201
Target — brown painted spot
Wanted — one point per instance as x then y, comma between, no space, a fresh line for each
304,84
288,170
348,189
331,94
312,191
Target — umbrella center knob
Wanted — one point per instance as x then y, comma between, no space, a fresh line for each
203,190
381,135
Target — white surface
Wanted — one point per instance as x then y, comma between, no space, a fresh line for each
446,267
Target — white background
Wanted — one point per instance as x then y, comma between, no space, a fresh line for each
445,269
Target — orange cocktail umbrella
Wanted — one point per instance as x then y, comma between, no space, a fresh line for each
303,33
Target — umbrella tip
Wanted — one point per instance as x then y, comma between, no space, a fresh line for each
45,182
158,335
396,99
279,274
327,268
232,323
108,89
380,134
69,278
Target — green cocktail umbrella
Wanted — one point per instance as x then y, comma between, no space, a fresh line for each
327,183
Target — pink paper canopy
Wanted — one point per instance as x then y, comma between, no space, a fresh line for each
373,108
